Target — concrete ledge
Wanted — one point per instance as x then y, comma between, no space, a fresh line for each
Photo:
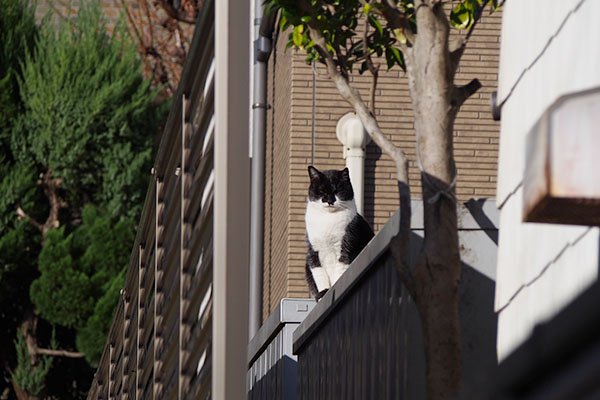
288,311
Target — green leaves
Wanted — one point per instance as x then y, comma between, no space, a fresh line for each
374,22
393,57
32,380
464,15
337,22
85,98
17,37
77,270
91,338
74,102
63,292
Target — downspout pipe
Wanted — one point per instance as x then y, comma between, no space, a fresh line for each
262,50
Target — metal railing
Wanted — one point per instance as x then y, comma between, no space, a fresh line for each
160,341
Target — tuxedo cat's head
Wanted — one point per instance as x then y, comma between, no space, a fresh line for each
331,189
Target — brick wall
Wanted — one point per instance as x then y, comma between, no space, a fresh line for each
291,87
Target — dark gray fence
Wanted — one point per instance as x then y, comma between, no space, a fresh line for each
363,339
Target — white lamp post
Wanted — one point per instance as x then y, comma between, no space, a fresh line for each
354,138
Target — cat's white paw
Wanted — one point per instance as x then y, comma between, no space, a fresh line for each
338,271
321,278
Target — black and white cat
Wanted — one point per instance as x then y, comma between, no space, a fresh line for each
335,232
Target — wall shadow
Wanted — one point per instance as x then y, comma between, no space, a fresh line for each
373,153
478,321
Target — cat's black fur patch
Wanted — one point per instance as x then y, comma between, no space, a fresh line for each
312,261
358,234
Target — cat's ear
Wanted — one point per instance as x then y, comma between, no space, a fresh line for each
345,173
313,173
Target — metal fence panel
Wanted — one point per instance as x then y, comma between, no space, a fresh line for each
160,338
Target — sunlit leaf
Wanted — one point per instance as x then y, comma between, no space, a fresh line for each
297,35
283,23
461,16
376,24
400,36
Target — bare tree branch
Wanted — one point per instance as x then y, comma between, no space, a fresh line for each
29,329
162,37
352,96
21,214
176,14
397,20
51,186
59,353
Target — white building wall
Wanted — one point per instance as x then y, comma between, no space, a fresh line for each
548,49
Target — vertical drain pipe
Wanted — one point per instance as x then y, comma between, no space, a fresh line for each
354,138
262,50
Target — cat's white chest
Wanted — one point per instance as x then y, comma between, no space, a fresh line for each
326,230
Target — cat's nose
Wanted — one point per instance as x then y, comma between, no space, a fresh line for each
329,200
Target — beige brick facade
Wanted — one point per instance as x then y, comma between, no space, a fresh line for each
290,147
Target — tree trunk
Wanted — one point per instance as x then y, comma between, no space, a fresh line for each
29,330
437,272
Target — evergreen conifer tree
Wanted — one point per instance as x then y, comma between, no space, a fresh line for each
77,125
